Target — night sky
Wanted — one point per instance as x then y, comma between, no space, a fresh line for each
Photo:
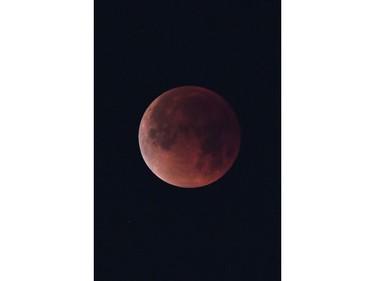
146,229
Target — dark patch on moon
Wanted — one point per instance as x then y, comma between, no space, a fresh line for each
163,136
184,129
212,144
152,133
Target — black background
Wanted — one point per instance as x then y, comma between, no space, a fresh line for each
146,229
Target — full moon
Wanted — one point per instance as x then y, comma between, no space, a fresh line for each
189,137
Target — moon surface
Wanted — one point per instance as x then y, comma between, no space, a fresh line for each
189,137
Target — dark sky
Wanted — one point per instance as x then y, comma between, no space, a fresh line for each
146,229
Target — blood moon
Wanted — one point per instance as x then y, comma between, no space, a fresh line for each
189,137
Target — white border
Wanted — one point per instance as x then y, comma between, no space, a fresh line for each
328,140
46,140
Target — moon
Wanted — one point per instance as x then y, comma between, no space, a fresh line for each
189,137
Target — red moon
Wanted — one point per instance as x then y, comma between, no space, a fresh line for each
189,137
